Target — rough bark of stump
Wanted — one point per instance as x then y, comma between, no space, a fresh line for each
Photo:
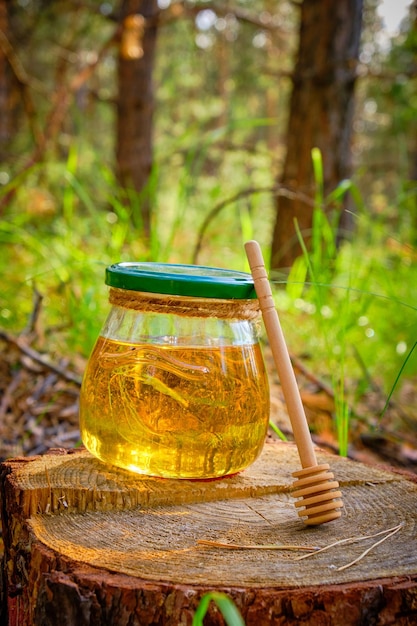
88,544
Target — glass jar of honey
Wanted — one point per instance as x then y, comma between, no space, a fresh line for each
176,384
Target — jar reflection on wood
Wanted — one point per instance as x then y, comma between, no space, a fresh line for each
176,384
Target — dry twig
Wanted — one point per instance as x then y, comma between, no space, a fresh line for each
236,546
312,550
352,540
38,358
374,545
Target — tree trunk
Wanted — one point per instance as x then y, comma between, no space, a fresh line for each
321,111
6,117
136,105
412,135
88,544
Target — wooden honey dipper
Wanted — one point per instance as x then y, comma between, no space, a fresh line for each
315,485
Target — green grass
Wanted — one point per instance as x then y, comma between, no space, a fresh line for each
349,310
225,605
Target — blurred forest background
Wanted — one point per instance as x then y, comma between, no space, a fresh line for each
175,131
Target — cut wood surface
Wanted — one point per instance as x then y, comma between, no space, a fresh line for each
86,543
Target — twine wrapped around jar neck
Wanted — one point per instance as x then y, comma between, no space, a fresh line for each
184,305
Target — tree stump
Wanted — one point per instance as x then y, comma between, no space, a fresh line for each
88,544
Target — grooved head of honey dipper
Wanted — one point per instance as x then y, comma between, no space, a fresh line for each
318,494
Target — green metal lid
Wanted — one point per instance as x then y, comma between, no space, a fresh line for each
181,280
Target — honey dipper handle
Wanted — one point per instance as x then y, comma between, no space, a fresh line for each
281,356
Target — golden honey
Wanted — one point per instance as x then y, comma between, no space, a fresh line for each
176,385
175,411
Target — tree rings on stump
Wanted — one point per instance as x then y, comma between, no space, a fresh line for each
89,544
